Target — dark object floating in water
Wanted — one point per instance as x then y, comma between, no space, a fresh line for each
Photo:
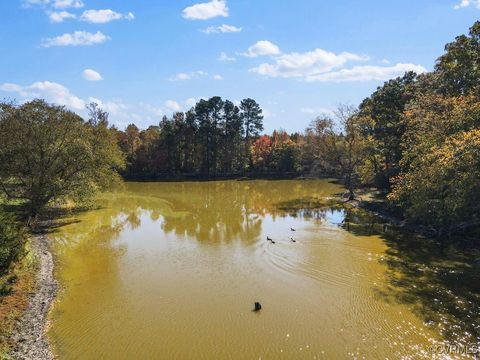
258,306
293,240
271,240
292,229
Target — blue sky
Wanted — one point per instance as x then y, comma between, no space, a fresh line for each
145,58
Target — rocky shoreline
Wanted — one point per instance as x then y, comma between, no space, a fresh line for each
30,337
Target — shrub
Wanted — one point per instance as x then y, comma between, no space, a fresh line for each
11,240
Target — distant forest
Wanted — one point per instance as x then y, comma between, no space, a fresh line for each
416,138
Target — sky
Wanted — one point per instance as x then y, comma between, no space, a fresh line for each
143,59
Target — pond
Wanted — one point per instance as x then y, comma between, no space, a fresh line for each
172,271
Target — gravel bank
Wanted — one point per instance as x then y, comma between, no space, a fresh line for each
30,335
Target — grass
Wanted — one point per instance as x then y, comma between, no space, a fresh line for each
17,285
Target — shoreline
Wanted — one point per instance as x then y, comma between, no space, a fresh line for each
30,336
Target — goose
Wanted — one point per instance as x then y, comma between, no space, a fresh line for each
292,229
271,240
293,240
258,306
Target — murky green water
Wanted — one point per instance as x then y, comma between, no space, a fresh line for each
171,271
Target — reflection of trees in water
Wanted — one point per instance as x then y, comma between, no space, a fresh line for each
87,246
442,285
227,210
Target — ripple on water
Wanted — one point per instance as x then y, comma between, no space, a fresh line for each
172,270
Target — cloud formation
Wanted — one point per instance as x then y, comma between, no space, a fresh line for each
225,57
221,29
208,10
57,4
59,16
367,73
172,105
321,65
51,91
116,107
104,16
467,3
306,64
261,48
188,76
91,75
77,38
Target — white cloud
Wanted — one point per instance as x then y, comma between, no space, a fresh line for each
224,57
91,75
366,73
188,76
385,61
64,4
190,102
217,77
75,39
172,105
9,87
267,114
59,16
104,16
306,64
204,11
224,28
116,107
322,65
48,90
262,47
29,3
467,3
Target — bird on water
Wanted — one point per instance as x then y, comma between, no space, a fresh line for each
292,229
258,306
293,240
270,239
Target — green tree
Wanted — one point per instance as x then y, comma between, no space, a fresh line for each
382,122
459,67
48,154
232,138
251,115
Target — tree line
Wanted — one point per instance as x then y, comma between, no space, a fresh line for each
213,137
416,138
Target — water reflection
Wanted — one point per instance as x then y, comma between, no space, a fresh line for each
222,211
441,284
173,269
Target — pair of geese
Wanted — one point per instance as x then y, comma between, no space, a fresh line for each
273,242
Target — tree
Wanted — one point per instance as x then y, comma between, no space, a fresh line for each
217,125
284,153
459,67
261,152
381,115
340,153
133,139
232,137
49,154
442,188
252,117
